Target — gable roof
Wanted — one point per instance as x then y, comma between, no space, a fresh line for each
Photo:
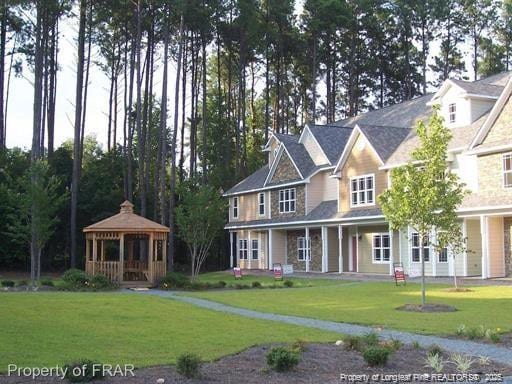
492,116
126,220
384,140
332,139
275,164
404,114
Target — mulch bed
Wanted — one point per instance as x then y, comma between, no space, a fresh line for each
25,288
320,364
427,308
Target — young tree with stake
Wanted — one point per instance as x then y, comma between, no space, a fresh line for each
424,194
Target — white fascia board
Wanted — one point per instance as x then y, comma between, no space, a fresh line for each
442,90
274,164
486,151
493,115
347,221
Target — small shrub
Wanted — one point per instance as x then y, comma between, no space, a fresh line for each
46,282
393,345
435,361
416,345
299,346
22,283
462,362
376,356
221,284
461,330
75,277
174,280
238,286
370,339
99,281
256,284
188,365
7,283
484,360
288,283
83,371
353,343
197,286
435,350
281,359
495,338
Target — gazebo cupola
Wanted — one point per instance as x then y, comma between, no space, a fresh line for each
127,248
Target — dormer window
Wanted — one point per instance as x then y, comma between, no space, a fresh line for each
452,113
235,207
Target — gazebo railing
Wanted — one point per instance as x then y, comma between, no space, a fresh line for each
108,268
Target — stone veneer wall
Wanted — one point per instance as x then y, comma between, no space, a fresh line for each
285,170
507,224
300,203
316,250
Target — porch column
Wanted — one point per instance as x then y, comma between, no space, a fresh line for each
249,250
391,256
259,252
270,246
340,248
121,256
485,246
308,247
325,249
230,249
465,254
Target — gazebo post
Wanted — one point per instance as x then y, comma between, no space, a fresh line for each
94,253
151,258
121,256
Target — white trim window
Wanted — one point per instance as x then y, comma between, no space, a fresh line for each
287,200
303,248
255,249
442,255
452,113
507,170
235,208
242,249
261,203
415,248
381,249
362,190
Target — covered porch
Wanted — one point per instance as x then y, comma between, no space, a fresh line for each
127,248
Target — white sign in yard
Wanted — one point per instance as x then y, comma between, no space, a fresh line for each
288,269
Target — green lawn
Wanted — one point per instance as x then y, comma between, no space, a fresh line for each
43,329
374,303
266,280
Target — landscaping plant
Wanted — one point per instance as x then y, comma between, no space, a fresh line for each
82,371
435,361
376,355
462,362
188,365
281,359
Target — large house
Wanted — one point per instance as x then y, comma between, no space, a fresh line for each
314,205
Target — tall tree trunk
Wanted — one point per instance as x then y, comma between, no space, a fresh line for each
77,130
163,126
313,82
204,114
36,137
3,37
183,109
138,111
53,86
172,189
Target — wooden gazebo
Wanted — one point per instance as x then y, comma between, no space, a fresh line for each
127,248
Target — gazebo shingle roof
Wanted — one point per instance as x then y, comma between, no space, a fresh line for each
126,220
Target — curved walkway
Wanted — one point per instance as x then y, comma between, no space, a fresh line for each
498,354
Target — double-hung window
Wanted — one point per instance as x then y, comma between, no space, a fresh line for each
362,190
254,249
415,248
381,248
287,200
261,203
442,256
452,113
304,248
235,207
507,170
242,249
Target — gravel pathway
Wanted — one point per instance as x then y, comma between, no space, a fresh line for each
498,354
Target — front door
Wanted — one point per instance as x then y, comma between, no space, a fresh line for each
354,254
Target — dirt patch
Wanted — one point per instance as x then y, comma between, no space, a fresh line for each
427,308
457,290
320,363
